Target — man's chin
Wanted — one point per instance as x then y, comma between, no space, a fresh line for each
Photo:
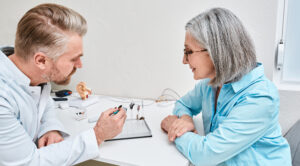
63,82
67,80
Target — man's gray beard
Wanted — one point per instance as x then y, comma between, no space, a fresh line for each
46,77
65,81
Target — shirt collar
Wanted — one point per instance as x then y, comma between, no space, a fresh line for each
10,71
247,79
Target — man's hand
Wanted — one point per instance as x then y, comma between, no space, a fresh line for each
50,137
109,125
176,127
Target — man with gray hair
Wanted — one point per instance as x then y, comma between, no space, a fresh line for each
48,47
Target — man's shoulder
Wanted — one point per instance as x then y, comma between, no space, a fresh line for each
7,92
10,100
4,87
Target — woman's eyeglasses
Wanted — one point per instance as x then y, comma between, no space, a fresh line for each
190,52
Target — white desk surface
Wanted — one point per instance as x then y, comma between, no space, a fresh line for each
156,150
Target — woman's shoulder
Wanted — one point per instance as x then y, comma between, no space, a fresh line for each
262,87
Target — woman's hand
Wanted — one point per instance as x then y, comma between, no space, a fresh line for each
167,122
176,127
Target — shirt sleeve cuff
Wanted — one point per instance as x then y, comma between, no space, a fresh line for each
180,114
90,140
50,127
183,143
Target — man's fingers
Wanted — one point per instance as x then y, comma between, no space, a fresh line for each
59,139
41,142
120,114
50,141
109,111
124,119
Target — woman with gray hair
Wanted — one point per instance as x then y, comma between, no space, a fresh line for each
239,104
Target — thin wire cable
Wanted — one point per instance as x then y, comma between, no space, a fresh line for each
169,89
124,100
172,97
161,98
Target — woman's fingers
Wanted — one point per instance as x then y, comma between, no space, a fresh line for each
179,127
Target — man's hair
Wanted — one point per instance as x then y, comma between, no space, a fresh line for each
44,29
228,44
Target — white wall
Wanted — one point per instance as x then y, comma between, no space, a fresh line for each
134,47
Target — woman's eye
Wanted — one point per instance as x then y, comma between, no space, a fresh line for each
187,52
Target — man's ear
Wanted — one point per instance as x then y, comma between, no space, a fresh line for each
40,60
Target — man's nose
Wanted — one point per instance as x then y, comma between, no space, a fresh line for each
78,63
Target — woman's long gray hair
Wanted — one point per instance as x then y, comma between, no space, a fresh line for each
228,44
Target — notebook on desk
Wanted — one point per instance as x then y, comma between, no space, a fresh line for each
134,129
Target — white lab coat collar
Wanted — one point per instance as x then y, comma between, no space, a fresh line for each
10,70
11,73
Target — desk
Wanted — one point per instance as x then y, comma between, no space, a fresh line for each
156,150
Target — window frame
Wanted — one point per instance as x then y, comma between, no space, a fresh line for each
280,39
